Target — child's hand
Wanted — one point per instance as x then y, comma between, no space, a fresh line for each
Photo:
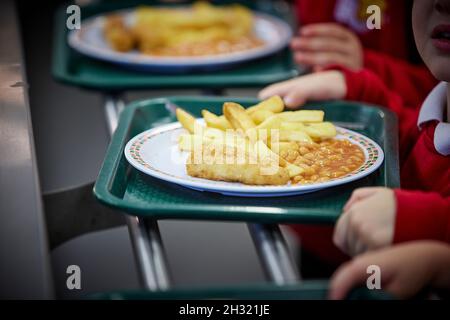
405,269
324,85
322,44
367,222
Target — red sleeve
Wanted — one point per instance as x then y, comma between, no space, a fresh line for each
421,215
366,86
412,82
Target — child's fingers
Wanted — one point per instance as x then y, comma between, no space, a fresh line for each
340,232
346,237
320,58
347,277
295,43
355,234
318,69
359,248
295,92
295,99
325,29
280,89
358,195
319,44
351,239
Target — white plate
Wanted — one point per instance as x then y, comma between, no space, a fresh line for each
155,152
89,40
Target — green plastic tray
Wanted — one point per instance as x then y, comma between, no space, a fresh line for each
308,290
125,188
72,68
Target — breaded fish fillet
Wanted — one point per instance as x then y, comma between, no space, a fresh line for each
244,173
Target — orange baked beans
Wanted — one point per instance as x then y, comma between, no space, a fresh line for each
323,161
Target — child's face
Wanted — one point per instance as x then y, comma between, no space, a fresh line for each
431,26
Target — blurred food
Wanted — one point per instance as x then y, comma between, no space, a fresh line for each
117,34
273,148
201,29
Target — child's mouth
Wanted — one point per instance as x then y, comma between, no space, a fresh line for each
441,37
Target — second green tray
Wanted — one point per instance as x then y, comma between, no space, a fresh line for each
125,188
73,68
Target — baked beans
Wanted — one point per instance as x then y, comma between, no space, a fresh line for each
324,161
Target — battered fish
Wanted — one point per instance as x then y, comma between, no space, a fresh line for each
243,173
247,173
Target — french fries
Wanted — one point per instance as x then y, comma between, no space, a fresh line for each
270,123
259,116
320,131
264,129
292,126
317,131
302,116
186,119
297,136
213,133
175,32
274,104
281,146
237,116
240,120
214,121
188,142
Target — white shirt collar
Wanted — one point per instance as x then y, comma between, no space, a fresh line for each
433,108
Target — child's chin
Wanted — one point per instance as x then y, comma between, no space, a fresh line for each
440,67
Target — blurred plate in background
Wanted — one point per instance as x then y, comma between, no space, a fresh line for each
89,40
